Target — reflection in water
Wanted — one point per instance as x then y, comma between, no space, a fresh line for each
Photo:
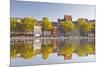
29,49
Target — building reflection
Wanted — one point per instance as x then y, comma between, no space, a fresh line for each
28,49
37,46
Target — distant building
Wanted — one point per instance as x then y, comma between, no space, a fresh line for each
37,29
67,17
54,31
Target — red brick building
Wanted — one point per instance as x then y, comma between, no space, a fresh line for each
54,31
67,17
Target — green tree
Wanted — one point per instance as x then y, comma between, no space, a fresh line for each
93,27
67,26
46,24
13,24
28,24
84,27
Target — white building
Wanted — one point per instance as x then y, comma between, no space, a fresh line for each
37,31
37,45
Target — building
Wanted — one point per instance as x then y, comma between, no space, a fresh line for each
67,17
37,29
54,31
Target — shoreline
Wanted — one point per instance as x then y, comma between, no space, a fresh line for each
25,38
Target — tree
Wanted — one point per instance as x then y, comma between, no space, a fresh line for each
13,24
67,26
93,28
28,24
84,27
46,24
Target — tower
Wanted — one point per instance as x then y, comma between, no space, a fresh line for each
67,17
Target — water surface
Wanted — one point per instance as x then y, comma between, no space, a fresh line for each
50,51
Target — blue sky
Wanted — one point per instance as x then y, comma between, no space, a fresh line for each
53,11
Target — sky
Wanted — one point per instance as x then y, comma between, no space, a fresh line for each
51,60
53,11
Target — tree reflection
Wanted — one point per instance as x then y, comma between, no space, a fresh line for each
46,50
13,51
67,50
85,49
90,48
27,50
